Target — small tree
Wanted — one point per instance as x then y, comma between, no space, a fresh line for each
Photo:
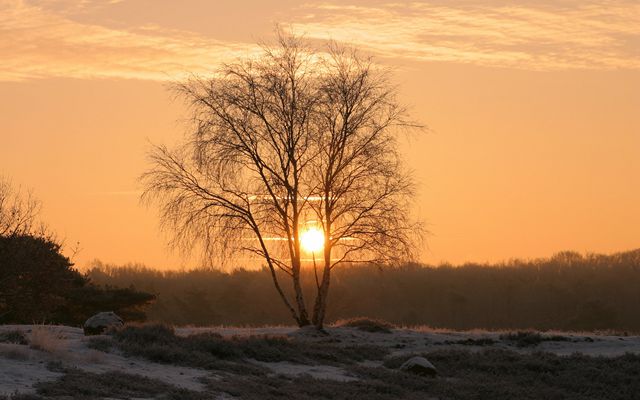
38,283
34,278
279,142
19,210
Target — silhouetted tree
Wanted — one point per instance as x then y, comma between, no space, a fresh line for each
291,138
39,284
361,188
19,210
34,278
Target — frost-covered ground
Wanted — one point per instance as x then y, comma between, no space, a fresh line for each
22,366
60,356
413,340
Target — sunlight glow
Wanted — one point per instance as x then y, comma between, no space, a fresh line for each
312,240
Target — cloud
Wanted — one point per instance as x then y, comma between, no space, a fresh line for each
37,41
46,38
586,35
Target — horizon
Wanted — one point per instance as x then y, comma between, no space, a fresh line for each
532,137
508,262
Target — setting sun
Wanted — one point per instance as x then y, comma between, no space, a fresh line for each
312,240
293,192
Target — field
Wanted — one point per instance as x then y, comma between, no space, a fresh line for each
357,359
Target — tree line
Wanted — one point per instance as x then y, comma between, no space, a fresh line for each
568,291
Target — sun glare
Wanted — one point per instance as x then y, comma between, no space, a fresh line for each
312,240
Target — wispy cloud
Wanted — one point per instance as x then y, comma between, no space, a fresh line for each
46,38
39,42
587,35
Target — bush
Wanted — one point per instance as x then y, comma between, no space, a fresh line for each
159,343
80,384
366,324
530,339
100,343
35,279
38,283
45,339
15,337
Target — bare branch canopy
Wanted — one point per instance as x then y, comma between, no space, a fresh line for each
291,138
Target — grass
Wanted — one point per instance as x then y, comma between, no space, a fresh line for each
472,342
307,388
159,343
530,338
14,337
81,385
489,374
495,373
14,352
366,324
44,339
100,343
117,384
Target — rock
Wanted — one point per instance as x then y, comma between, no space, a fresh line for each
419,366
100,322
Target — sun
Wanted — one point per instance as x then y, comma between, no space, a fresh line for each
312,240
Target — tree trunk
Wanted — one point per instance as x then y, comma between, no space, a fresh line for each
303,316
283,296
320,306
274,277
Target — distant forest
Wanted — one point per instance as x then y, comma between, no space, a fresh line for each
568,291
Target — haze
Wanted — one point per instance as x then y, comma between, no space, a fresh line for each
532,111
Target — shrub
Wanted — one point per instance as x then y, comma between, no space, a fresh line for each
530,339
473,342
100,343
15,337
366,324
159,343
80,384
14,352
34,279
502,374
38,283
45,339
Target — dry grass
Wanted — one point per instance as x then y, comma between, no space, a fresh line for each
13,336
95,357
14,351
77,384
531,338
159,343
46,339
366,324
490,374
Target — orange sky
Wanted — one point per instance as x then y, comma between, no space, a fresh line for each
533,108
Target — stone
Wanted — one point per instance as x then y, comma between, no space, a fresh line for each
419,366
99,323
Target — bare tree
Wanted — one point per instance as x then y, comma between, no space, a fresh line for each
19,210
276,142
239,174
363,191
